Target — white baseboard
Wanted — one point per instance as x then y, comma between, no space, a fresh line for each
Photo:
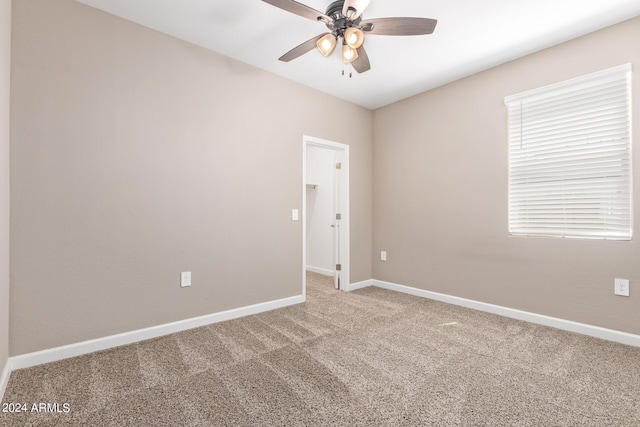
359,285
567,325
4,379
323,271
78,349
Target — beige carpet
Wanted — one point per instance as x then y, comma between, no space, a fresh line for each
370,357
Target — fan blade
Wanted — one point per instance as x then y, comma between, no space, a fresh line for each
400,26
358,6
301,49
362,63
299,9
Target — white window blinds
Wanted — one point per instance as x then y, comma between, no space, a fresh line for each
570,158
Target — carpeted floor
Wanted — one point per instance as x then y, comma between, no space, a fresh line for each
366,358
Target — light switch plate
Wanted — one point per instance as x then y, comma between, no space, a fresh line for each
294,214
185,279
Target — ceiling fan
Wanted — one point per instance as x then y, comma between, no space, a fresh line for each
344,20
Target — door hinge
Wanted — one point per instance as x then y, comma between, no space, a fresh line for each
338,267
338,216
338,165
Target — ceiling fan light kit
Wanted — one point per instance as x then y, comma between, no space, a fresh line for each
344,19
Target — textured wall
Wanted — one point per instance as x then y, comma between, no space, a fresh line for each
137,156
5,71
440,195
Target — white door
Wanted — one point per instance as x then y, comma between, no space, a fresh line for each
338,221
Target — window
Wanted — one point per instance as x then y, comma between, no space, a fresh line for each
570,158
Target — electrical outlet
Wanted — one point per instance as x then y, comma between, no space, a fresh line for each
621,287
383,255
294,214
185,279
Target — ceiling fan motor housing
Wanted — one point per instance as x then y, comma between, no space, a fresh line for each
340,22
335,8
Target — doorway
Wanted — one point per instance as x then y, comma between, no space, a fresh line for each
325,210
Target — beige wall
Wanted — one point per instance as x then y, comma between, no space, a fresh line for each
5,71
137,156
440,195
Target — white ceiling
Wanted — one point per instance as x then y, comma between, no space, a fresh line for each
471,36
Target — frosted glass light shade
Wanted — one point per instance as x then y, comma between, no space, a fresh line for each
326,44
354,37
349,54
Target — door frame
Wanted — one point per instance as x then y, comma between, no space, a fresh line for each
310,141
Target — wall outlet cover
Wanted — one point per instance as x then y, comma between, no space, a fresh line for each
621,287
